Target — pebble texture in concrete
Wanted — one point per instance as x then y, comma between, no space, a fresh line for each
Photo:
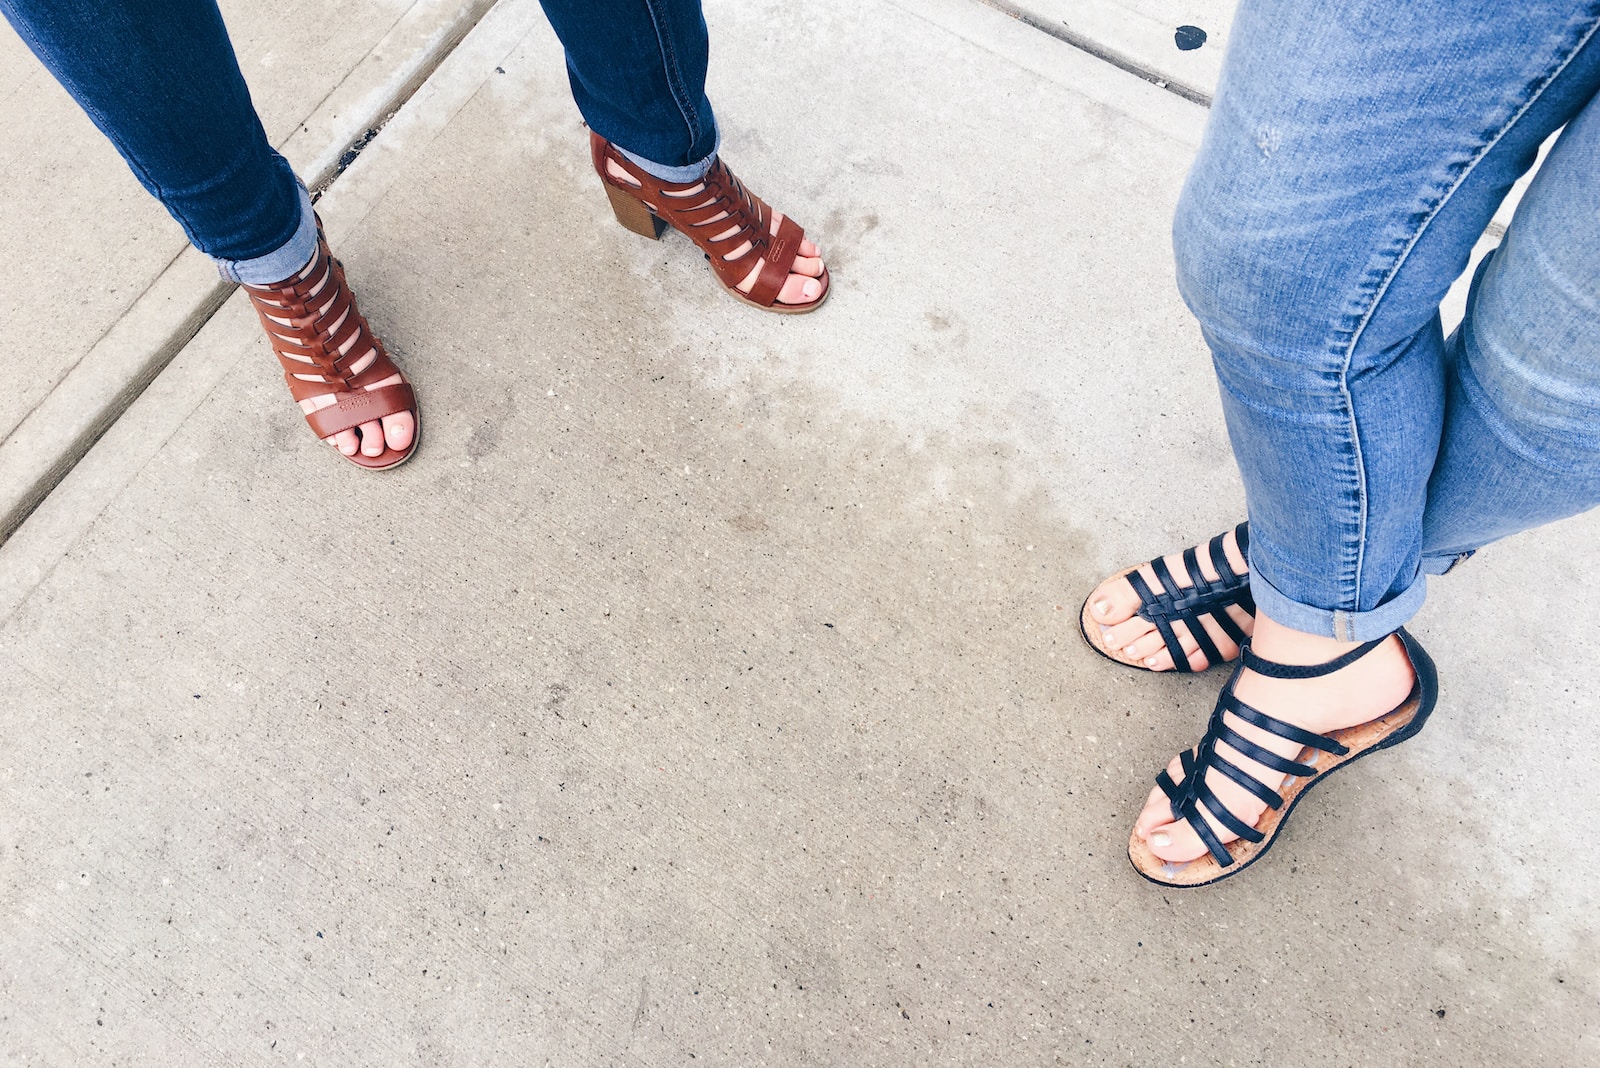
708,689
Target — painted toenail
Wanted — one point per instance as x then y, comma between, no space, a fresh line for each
1149,661
1102,608
1161,839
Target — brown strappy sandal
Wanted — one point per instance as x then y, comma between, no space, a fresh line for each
308,318
719,217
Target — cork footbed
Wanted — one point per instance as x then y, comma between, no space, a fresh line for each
1381,733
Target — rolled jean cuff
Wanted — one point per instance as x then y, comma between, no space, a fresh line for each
283,261
1332,623
692,173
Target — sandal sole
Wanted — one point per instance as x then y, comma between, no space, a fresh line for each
1385,732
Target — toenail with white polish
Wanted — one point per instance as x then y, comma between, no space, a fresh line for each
1161,839
1102,608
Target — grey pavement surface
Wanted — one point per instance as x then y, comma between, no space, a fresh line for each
1155,38
708,689
101,288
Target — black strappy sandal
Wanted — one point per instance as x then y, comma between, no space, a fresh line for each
1322,755
1188,605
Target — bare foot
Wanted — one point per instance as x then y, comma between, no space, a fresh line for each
1365,690
1114,607
801,287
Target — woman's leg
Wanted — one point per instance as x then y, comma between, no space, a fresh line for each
1522,426
1336,197
159,78
638,74
1334,201
161,81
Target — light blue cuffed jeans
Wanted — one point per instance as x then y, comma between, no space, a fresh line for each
1355,152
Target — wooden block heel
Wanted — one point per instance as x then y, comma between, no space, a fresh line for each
633,214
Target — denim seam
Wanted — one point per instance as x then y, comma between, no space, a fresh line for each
104,125
108,129
1383,282
669,62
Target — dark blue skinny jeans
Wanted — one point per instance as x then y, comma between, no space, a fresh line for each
159,78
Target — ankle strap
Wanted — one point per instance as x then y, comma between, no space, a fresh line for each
1274,670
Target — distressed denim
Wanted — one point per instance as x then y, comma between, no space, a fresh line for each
159,78
1355,152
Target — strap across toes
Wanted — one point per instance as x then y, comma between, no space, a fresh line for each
1169,604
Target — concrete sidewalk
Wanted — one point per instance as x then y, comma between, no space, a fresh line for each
708,689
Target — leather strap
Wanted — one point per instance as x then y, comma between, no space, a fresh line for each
320,338
720,216
362,406
1274,670
1202,598
1186,799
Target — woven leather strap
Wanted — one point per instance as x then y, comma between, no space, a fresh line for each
1190,604
719,216
321,338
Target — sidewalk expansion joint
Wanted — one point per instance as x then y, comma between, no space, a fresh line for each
1062,33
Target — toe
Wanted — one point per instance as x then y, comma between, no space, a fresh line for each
347,442
798,289
1157,809
1151,650
810,266
1113,601
808,249
1171,840
1119,636
1146,647
1175,843
372,438
398,430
